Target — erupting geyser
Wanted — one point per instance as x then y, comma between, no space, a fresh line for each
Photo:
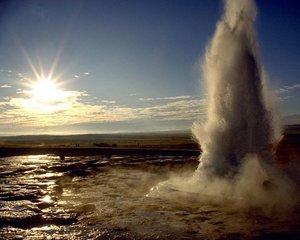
240,128
239,121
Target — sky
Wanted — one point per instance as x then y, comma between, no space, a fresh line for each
104,66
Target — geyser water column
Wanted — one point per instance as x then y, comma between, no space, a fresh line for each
235,137
238,121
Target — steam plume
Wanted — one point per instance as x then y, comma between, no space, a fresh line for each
236,163
239,121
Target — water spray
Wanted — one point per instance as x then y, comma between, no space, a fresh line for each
238,121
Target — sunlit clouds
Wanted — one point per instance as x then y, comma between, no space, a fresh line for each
165,98
45,100
5,86
108,101
80,75
29,112
45,103
37,103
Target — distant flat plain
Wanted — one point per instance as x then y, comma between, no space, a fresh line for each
164,143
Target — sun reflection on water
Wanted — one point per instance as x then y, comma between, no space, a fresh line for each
47,199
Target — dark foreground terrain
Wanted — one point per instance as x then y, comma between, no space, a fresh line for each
42,197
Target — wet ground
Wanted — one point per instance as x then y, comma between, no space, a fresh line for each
43,197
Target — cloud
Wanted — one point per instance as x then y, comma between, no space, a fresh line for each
178,110
21,75
5,70
5,86
288,88
26,112
165,98
80,75
108,101
286,92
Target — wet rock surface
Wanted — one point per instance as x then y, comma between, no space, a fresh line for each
44,197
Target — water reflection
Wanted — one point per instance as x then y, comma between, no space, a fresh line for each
47,199
43,194
98,198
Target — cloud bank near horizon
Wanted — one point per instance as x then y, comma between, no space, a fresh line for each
18,110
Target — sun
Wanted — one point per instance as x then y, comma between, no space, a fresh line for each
44,93
45,97
46,90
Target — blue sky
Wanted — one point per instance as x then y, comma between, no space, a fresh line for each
127,65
